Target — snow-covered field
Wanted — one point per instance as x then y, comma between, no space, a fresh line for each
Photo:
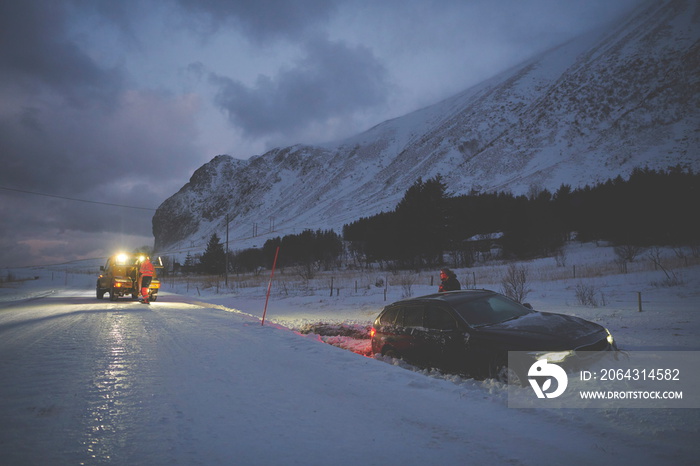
196,379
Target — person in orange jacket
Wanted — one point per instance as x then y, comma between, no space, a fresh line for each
147,270
448,281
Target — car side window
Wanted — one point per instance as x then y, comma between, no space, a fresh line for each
413,316
389,317
437,318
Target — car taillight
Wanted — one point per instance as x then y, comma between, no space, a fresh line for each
372,332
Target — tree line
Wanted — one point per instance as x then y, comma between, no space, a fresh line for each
649,208
310,249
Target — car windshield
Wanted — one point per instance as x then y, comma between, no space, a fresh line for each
490,310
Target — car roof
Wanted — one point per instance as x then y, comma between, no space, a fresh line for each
450,297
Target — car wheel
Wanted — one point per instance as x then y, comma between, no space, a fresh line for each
100,293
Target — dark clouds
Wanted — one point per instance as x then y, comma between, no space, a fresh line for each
261,21
52,92
36,54
72,126
120,101
331,81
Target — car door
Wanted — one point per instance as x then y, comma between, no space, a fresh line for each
413,330
446,342
104,279
386,338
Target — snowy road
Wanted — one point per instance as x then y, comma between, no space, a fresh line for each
98,382
92,373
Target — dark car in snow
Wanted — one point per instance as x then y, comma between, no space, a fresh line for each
471,332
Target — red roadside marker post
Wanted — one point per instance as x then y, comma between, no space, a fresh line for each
269,285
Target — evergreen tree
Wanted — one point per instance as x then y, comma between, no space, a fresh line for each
309,247
248,260
422,222
213,260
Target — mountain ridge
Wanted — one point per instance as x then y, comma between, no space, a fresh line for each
593,108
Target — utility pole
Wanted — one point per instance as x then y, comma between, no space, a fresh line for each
226,255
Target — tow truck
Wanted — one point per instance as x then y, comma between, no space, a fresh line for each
120,277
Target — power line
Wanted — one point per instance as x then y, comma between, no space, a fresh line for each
77,200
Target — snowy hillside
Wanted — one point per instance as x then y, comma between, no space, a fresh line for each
596,107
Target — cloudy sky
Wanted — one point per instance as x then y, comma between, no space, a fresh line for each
107,107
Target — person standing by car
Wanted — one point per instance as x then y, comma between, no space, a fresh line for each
147,270
448,281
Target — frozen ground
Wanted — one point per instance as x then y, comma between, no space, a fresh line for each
195,378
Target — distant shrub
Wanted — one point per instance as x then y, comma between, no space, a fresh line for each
586,294
560,257
407,280
514,283
672,279
628,252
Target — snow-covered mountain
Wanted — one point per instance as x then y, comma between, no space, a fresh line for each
593,108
